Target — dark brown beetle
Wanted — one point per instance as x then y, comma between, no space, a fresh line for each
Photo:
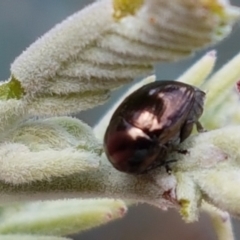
150,122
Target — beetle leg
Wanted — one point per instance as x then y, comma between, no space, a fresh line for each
167,167
182,151
175,148
200,127
186,130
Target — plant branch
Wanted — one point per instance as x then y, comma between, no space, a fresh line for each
105,182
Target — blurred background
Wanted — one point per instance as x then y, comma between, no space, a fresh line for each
21,23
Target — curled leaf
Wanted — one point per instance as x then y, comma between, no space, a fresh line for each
109,43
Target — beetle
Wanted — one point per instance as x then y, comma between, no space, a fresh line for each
150,123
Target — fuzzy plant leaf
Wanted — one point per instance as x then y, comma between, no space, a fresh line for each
213,176
60,218
196,176
12,113
108,44
222,92
43,149
75,66
217,83
197,74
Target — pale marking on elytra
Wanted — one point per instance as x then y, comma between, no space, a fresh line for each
135,133
152,92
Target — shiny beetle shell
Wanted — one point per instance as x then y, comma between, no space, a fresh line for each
150,122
